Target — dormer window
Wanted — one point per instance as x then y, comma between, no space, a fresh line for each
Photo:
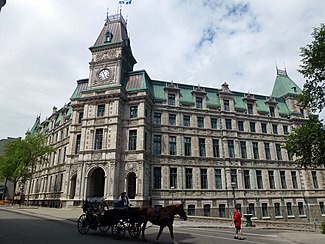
109,37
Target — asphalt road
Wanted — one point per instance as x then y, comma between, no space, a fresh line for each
19,228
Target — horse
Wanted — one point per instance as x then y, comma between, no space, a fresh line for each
162,217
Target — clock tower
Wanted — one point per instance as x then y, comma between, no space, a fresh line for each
111,54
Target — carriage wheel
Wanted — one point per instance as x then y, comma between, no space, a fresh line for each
83,224
118,230
134,230
104,228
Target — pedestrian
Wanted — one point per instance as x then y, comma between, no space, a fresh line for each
237,223
124,200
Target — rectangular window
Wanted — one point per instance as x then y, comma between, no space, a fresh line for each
226,106
145,140
283,180
200,122
187,146
206,209
214,123
264,210
100,110
215,145
204,178
228,124
217,176
133,112
171,99
202,147
255,150
289,209
247,183
285,130
267,151
157,118
315,182
277,209
322,208
231,149
250,108
278,151
222,210
259,179
173,177
187,120
198,102
264,130
172,145
132,140
157,144
251,209
191,209
233,177
172,119
294,180
243,150
188,178
240,124
98,139
81,115
272,114
301,208
275,129
78,139
271,179
157,178
252,126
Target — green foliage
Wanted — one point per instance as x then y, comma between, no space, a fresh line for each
20,157
313,69
306,142
322,227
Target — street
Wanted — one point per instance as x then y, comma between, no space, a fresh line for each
20,228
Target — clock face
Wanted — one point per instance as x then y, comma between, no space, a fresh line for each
104,74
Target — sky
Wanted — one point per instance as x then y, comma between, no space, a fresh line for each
44,47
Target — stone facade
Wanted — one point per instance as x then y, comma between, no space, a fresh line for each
164,142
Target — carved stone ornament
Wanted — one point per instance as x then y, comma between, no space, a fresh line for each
96,156
132,156
106,55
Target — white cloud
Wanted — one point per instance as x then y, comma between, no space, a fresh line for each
44,46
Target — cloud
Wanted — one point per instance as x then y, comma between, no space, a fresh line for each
44,46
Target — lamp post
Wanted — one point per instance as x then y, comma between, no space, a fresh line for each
233,186
172,191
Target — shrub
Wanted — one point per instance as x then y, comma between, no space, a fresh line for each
322,227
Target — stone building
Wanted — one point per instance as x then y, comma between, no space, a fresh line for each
165,142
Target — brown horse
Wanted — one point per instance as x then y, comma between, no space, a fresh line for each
163,217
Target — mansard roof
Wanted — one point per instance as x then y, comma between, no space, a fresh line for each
284,85
114,25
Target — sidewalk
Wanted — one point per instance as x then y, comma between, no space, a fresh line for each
72,215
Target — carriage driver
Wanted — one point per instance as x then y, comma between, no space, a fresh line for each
124,200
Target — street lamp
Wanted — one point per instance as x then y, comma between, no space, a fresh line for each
172,191
233,186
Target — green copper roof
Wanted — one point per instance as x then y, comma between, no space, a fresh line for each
239,103
284,85
212,98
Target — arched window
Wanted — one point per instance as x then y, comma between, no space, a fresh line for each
109,37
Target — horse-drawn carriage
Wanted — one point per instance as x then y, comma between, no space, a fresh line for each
97,215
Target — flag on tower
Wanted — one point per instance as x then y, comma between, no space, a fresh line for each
125,2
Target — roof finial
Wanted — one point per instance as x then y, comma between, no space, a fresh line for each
107,14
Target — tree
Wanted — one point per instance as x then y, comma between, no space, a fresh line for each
313,70
20,157
307,143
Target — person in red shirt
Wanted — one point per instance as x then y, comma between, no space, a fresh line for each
237,223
